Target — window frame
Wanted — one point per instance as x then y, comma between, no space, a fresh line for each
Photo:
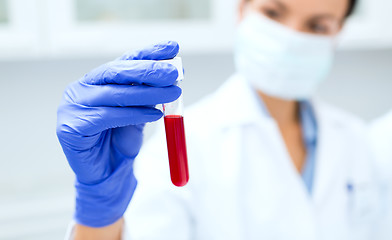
48,29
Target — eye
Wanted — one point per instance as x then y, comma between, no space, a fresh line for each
318,28
272,13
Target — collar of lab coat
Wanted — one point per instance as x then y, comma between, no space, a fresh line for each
239,98
236,104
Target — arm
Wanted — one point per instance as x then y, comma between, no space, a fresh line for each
111,232
100,125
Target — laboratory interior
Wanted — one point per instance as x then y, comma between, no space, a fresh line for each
46,45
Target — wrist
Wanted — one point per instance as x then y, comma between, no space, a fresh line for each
111,232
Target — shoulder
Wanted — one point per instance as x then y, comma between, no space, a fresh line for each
380,134
380,137
382,126
338,118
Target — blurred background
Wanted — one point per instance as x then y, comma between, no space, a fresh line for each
46,44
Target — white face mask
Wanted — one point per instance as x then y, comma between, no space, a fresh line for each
279,61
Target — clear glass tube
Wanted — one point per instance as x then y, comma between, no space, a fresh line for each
175,133
176,107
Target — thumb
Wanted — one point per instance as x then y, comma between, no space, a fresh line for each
160,51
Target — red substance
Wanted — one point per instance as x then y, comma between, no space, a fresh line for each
176,147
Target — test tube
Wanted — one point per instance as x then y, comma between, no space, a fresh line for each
175,134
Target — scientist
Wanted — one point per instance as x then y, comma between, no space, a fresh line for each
266,159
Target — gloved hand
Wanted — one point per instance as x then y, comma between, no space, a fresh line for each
100,127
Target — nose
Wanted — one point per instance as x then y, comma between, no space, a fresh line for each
295,24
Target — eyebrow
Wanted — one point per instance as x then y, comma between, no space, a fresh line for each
317,17
280,4
324,16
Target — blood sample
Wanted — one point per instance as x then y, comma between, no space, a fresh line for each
176,147
175,134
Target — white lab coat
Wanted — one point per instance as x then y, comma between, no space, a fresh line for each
381,142
243,184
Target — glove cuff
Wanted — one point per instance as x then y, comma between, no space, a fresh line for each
102,204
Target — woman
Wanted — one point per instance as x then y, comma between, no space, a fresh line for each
266,160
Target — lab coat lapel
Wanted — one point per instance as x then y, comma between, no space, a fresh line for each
272,187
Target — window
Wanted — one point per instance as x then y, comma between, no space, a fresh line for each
128,10
110,27
94,27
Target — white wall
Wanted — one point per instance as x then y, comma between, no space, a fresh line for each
36,184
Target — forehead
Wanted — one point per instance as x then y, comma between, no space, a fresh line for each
336,8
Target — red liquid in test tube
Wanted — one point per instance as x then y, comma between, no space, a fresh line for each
176,147
175,134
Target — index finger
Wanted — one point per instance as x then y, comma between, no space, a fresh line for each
160,51
152,73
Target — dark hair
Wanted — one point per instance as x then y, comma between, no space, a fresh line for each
351,7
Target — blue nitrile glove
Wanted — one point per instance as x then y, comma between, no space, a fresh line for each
100,127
